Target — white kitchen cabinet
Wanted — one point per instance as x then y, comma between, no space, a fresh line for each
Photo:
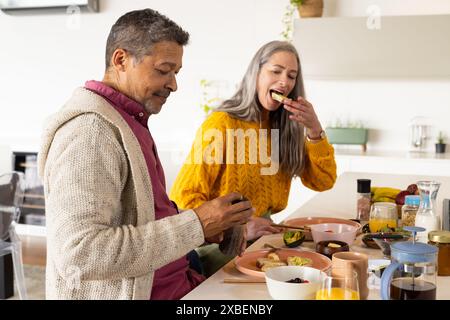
402,46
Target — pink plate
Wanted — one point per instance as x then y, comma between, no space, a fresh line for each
301,222
247,263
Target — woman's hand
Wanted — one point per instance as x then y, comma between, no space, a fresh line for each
257,227
303,112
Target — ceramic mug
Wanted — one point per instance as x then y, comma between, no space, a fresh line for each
346,262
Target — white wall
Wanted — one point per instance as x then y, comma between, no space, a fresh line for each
42,61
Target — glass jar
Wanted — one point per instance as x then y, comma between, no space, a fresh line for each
383,216
441,239
426,216
409,211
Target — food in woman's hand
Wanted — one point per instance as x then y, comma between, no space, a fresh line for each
278,96
293,238
298,261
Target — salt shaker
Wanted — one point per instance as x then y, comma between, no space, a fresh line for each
363,201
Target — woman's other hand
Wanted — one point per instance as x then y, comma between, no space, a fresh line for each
303,112
257,227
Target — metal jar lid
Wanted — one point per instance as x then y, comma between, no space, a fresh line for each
441,236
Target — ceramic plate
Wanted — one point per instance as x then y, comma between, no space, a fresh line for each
247,263
301,222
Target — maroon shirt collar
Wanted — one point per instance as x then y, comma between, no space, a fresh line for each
119,100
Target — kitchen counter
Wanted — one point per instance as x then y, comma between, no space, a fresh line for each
393,154
337,202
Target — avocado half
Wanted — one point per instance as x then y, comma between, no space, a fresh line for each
293,239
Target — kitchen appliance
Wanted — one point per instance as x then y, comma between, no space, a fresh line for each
446,215
412,272
419,133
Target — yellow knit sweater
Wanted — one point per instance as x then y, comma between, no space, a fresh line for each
223,169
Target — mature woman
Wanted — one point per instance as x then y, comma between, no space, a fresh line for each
287,130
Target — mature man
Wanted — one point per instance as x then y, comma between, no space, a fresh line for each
113,233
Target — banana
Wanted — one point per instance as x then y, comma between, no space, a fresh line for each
384,199
384,194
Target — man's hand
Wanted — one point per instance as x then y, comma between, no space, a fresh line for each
215,239
220,214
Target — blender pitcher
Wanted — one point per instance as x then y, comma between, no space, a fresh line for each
412,272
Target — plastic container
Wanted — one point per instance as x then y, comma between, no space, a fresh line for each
333,231
409,210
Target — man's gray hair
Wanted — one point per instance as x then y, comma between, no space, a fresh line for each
137,31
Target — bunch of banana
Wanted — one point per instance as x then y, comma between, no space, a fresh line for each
384,194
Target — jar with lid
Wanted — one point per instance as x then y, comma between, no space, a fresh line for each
363,200
409,211
441,239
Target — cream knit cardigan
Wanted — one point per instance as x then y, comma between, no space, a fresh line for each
102,238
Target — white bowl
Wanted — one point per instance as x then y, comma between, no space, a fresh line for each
339,231
279,289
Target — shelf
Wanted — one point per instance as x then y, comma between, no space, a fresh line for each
404,47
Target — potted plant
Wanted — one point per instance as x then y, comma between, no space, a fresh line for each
309,8
350,133
440,145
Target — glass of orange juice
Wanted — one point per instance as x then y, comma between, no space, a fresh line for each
339,287
383,215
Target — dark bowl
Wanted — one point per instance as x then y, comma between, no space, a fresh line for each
367,239
385,240
323,247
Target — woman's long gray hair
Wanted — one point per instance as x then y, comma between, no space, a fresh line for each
245,105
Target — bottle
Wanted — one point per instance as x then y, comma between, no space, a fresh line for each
426,216
233,240
363,200
233,237
409,211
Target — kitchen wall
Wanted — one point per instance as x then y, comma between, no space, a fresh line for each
42,60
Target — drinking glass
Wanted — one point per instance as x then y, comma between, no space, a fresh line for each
339,287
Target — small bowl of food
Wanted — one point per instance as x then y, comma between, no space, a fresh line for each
329,247
293,239
333,231
293,282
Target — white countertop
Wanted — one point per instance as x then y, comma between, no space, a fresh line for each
393,154
337,202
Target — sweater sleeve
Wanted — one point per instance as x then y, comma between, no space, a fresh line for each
319,173
199,173
88,225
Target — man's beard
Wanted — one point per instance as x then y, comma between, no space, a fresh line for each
150,108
